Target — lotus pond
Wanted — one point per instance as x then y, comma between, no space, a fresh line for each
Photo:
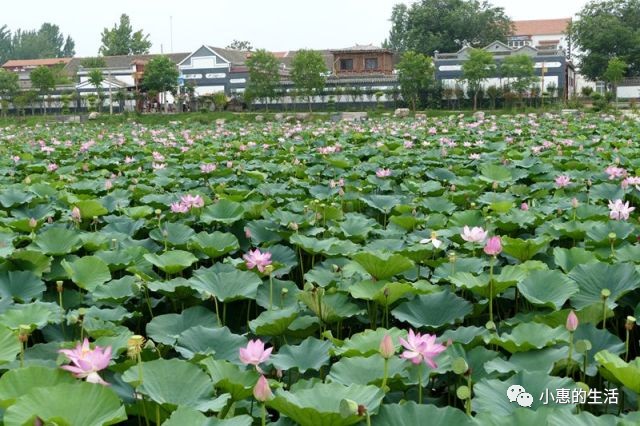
396,272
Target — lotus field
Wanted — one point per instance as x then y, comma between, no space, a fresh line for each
447,271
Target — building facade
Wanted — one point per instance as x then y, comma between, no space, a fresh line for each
552,68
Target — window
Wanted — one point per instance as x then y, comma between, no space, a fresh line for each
346,64
371,64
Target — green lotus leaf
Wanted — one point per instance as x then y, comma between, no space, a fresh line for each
495,173
274,322
231,378
188,416
173,261
30,260
542,360
6,244
367,342
382,203
600,232
592,278
58,241
357,226
215,244
176,234
567,259
330,307
548,288
226,284
13,196
284,295
490,395
224,211
34,315
320,405
627,373
168,328
193,389
87,272
91,208
22,286
219,341
524,250
433,310
311,354
412,414
600,340
9,347
383,293
528,336
365,371
17,382
382,266
79,403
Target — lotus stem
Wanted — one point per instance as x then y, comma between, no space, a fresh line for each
385,374
264,414
420,383
626,347
570,353
468,401
491,262
270,292
215,301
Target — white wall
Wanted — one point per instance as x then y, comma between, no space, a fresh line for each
628,92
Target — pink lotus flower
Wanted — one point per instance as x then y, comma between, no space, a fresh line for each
108,184
421,348
473,235
572,321
615,172
524,207
258,259
493,246
387,349
52,167
619,210
255,353
75,214
179,207
86,362
262,391
383,173
207,167
562,181
192,201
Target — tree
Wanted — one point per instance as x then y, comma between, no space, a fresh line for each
43,79
607,29
5,44
520,69
47,42
264,76
96,78
8,88
121,40
476,69
615,72
307,74
415,74
161,75
96,62
446,25
241,45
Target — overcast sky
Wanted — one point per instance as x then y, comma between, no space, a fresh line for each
272,24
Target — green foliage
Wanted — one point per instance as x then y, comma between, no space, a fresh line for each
520,69
415,74
121,40
615,72
161,75
94,62
444,25
242,45
607,29
307,73
46,42
8,87
264,76
476,69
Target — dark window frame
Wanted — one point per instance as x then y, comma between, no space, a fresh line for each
368,67
346,64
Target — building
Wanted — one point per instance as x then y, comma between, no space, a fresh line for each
23,67
550,65
544,34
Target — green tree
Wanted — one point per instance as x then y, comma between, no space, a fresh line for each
477,69
445,25
264,76
161,75
96,78
5,44
415,75
307,74
43,79
519,71
8,88
242,45
606,29
121,40
47,42
614,74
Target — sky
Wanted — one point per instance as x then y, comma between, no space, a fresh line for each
276,25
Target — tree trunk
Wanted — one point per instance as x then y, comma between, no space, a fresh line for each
475,100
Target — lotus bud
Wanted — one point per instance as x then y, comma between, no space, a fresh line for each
33,223
452,188
23,333
495,185
75,214
262,391
574,202
572,322
524,207
27,180
293,226
348,408
387,349
335,268
631,322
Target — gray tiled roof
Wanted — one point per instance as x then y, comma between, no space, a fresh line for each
122,61
236,57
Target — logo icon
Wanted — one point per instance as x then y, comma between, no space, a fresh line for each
517,393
